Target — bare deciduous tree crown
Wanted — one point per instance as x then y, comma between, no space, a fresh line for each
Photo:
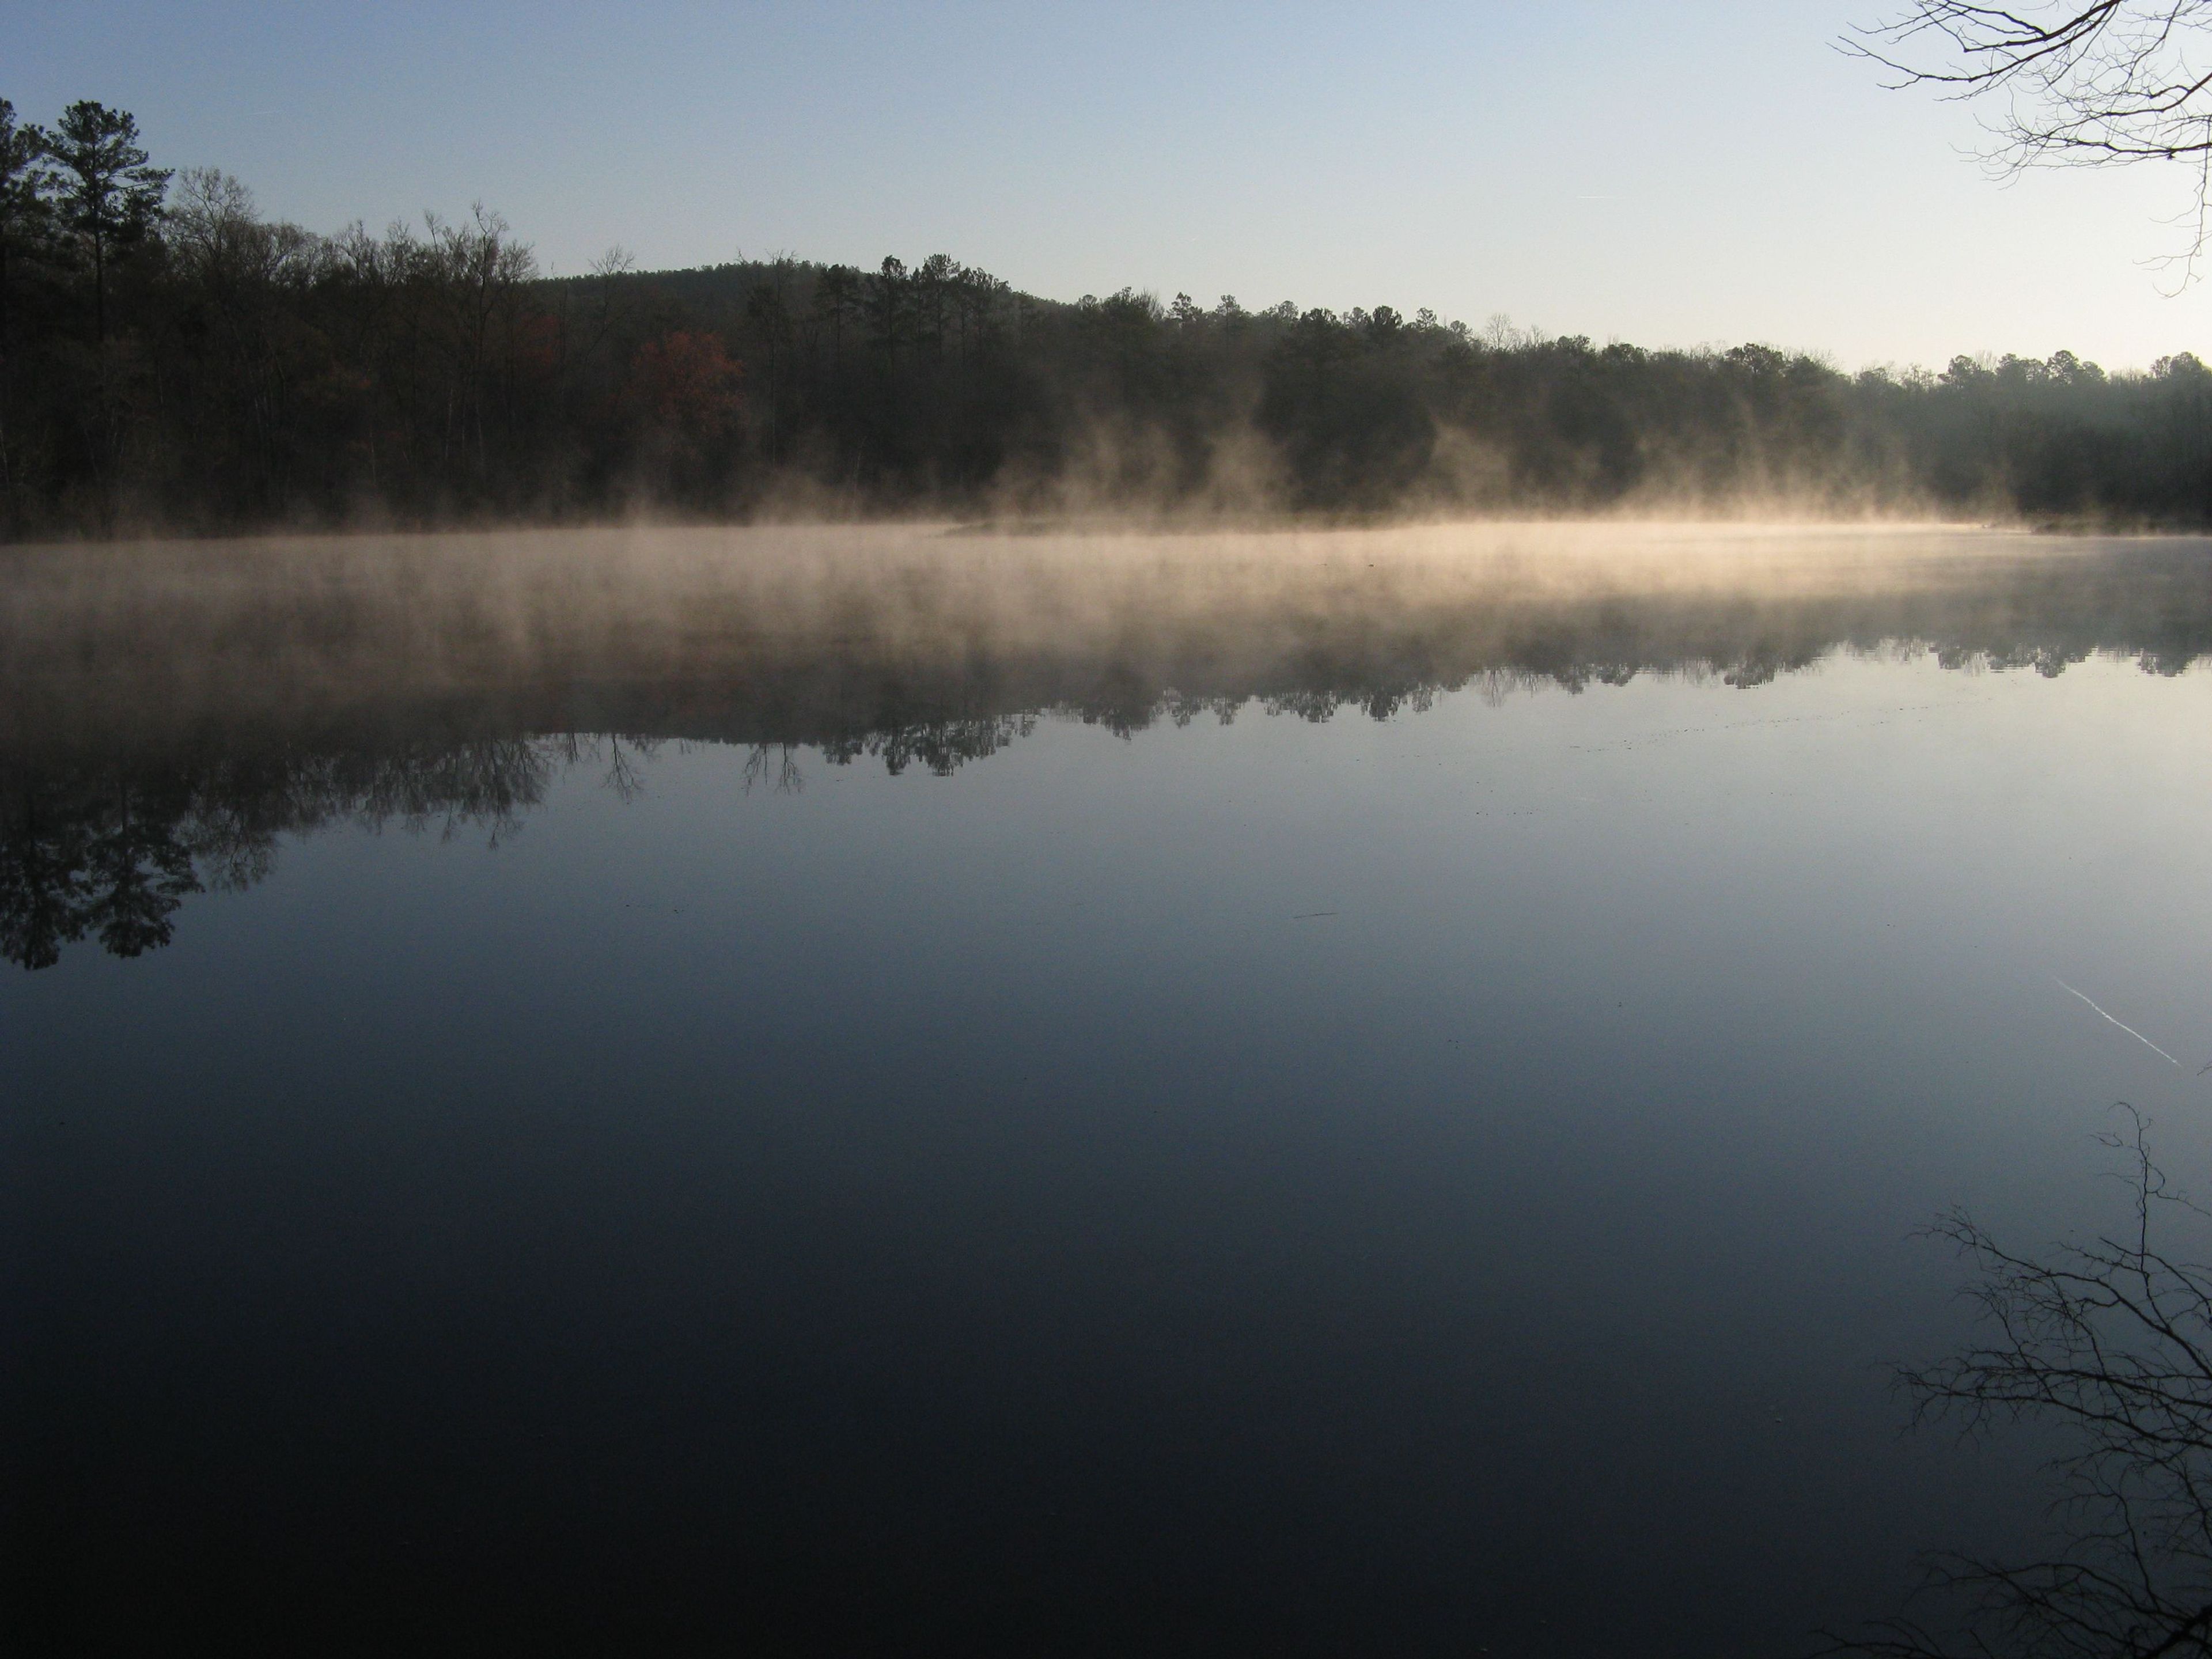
2110,1340
2069,85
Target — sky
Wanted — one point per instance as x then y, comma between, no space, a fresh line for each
1705,172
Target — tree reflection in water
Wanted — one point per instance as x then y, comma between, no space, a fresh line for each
109,850
169,714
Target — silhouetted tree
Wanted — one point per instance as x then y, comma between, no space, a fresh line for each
23,185
108,193
24,182
837,306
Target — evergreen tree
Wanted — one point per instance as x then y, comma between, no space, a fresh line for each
23,184
108,194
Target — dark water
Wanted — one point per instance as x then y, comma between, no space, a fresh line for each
850,1093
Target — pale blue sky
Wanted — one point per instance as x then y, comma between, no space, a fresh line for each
1665,173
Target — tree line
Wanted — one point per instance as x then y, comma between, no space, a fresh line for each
171,359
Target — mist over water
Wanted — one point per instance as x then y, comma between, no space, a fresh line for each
837,1091
831,633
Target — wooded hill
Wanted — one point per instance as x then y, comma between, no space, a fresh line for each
170,360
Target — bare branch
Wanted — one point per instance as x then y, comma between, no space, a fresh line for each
2112,1341
2107,84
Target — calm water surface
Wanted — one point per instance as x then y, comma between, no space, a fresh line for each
842,1091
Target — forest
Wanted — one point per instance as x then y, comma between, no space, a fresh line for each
172,360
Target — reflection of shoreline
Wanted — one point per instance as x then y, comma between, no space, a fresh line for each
834,637
110,849
167,712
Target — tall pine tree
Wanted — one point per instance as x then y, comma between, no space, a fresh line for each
108,194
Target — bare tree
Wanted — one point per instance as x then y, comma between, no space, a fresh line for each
2112,1341
781,759
2067,84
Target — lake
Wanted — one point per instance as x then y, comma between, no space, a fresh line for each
847,1090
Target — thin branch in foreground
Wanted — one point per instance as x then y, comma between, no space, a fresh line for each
2112,1340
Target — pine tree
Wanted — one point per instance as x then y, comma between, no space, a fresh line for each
108,194
23,184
